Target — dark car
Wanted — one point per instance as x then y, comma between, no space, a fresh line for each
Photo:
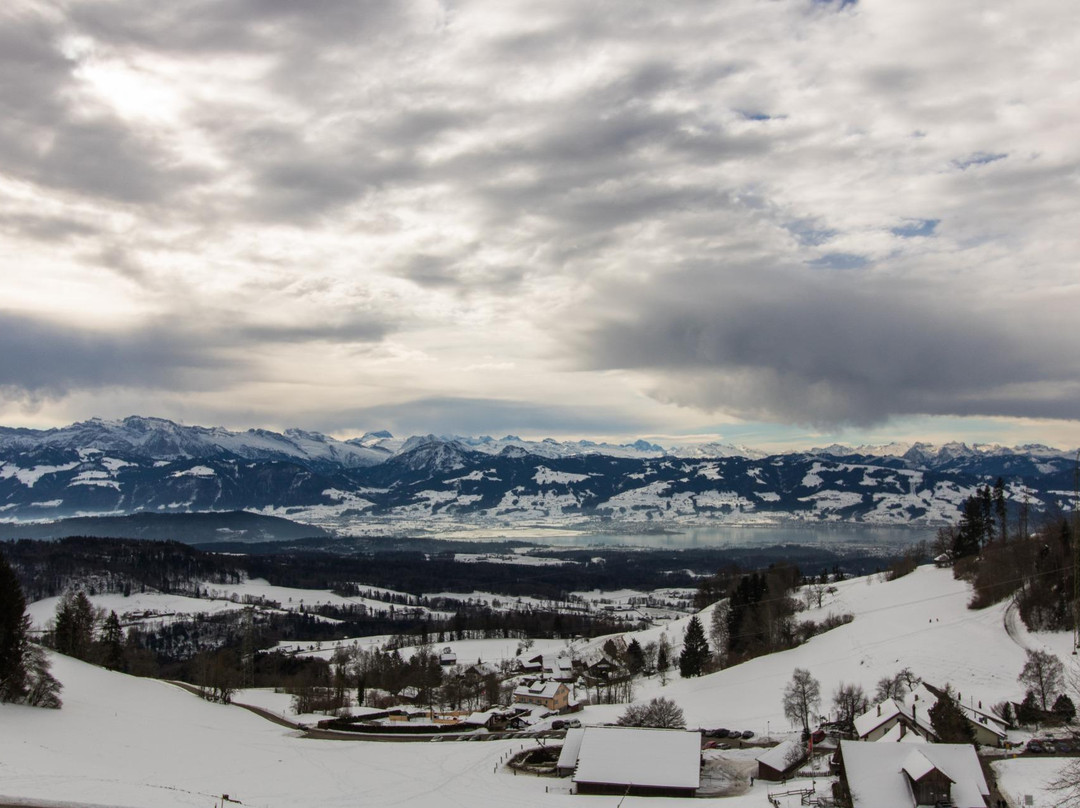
1062,747
818,736
747,734
1034,746
558,723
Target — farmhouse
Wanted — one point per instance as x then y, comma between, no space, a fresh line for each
912,715
893,775
554,696
447,656
781,761
635,760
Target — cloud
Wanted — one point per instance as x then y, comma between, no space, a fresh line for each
818,212
793,345
449,415
46,358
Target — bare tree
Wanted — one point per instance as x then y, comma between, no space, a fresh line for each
1044,674
802,696
897,686
659,712
849,701
718,629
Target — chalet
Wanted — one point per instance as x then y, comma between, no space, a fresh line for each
892,775
554,696
781,761
637,761
447,656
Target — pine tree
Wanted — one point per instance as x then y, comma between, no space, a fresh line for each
24,668
14,624
635,657
1064,708
948,720
74,631
695,653
112,643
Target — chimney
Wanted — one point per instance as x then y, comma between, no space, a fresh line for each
879,709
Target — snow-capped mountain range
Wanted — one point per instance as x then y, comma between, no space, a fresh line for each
152,464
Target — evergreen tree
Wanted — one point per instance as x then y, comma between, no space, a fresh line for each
663,658
24,668
1064,708
635,657
1028,712
948,720
695,653
14,624
112,643
74,632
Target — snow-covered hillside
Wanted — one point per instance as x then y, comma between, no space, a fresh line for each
132,742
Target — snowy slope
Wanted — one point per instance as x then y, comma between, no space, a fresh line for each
153,744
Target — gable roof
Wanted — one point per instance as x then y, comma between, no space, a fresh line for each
776,758
876,716
625,756
875,773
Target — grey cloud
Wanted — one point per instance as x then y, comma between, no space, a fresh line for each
795,345
46,358
45,228
449,415
43,357
49,138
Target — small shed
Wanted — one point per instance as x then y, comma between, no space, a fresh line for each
781,761
447,656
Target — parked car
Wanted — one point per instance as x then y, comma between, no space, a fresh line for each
558,723
573,723
1063,747
747,734
817,736
1034,747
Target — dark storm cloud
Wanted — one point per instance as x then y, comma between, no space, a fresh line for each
796,345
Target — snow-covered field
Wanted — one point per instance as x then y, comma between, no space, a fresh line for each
127,742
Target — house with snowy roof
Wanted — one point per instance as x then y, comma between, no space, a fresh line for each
551,667
447,656
912,716
554,696
638,761
894,775
780,762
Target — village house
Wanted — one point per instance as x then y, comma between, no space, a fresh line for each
637,761
894,720
892,775
447,656
550,666
554,696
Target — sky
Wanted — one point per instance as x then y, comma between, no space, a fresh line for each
771,222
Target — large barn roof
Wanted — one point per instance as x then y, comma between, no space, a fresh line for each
660,758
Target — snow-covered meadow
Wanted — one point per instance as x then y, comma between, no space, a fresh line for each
125,741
